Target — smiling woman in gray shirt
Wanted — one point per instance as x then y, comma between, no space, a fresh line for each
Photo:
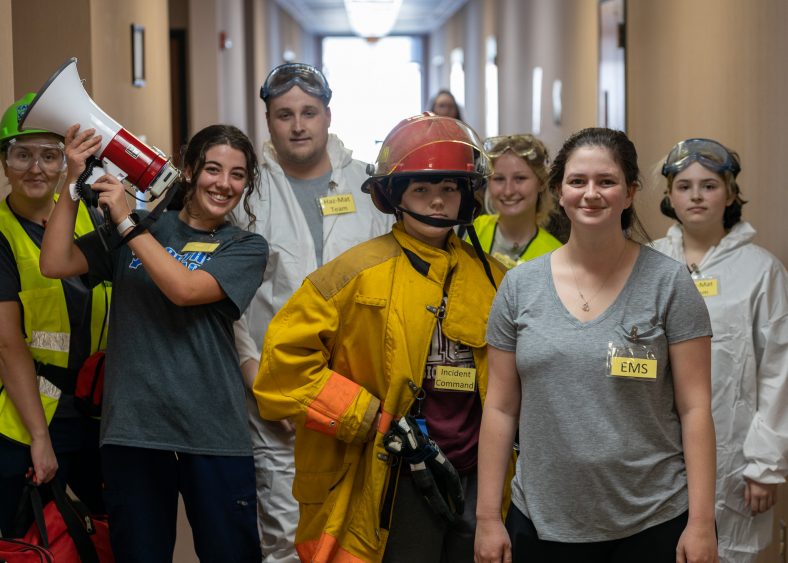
599,354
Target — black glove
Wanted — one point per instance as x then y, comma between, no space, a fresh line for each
432,472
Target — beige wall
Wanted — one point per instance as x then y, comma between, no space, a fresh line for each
203,64
256,68
713,68
6,70
6,55
233,90
46,34
97,32
560,37
143,111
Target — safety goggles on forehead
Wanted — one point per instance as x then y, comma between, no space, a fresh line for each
521,145
21,156
285,76
709,154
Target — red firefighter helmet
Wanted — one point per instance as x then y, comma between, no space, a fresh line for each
428,146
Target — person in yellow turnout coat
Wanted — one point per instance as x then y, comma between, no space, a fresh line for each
393,327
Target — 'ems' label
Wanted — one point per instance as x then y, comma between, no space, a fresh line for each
633,367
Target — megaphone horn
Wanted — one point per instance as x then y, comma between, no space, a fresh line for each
63,101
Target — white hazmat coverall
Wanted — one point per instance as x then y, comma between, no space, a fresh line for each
749,317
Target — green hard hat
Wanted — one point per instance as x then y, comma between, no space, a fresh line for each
9,124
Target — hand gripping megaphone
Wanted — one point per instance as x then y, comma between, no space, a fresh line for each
63,101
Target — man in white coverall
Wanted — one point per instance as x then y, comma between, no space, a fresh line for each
310,209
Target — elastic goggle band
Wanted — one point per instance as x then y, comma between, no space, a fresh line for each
708,153
307,77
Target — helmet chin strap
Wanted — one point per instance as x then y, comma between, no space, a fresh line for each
433,221
437,222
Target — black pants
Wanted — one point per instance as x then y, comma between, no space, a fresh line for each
653,545
75,441
419,535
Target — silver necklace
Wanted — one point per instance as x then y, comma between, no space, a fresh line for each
587,302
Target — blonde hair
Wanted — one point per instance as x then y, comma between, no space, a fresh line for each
534,153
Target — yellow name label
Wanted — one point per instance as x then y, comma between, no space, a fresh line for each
448,378
200,247
707,287
337,204
634,367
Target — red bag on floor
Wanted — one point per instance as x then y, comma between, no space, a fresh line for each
66,528
17,551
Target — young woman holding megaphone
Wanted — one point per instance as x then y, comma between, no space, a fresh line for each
174,418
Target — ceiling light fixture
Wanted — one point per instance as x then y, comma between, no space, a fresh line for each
372,19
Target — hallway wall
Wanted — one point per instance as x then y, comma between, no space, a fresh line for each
714,68
560,37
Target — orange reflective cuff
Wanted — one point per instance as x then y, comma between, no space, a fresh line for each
325,550
326,410
385,421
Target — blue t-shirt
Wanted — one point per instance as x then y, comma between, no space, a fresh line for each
172,376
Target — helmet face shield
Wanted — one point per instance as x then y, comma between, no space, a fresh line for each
284,77
708,153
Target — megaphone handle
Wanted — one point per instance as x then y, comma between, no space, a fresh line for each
107,217
105,231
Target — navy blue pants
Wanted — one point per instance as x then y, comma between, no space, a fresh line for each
141,495
653,545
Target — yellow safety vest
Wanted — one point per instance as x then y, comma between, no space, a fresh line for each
543,243
46,327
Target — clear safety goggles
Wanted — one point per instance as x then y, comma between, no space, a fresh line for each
285,76
710,154
22,155
521,145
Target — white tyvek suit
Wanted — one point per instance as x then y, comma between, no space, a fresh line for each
749,318
291,257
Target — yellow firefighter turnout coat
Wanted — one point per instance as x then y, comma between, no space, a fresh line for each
347,344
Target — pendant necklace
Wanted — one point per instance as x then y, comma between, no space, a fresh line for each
587,302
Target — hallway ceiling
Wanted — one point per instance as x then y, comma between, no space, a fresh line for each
328,17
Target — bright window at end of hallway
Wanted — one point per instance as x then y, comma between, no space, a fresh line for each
457,76
536,109
491,87
376,84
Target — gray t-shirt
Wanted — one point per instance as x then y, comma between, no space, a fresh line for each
601,456
307,193
172,376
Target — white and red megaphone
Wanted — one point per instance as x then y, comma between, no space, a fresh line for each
62,101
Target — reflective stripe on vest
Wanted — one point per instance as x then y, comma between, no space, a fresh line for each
45,314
